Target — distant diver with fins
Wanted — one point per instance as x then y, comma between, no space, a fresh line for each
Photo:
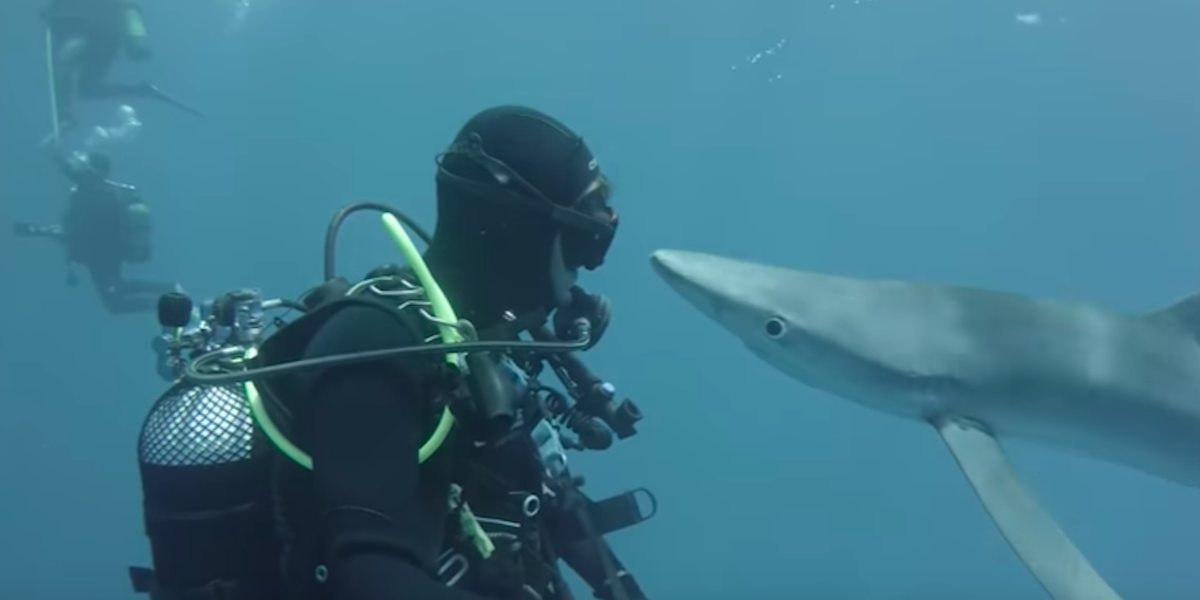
84,39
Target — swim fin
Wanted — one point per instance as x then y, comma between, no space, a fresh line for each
151,91
29,230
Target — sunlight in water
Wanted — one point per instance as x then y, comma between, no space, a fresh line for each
239,13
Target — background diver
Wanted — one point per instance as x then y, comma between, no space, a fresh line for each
105,224
522,206
85,38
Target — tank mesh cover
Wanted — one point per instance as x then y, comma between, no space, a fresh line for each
198,426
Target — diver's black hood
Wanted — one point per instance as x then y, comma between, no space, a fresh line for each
546,153
497,254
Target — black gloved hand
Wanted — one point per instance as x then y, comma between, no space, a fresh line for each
633,591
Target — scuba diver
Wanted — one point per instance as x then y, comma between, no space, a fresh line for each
351,456
106,223
84,39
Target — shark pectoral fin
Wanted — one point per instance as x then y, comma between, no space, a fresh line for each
1033,534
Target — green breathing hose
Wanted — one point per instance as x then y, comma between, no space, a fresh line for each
441,309
447,320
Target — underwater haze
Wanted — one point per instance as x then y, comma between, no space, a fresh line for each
1046,147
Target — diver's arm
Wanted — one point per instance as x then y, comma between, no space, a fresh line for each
380,529
70,165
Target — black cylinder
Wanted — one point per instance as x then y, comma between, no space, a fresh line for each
206,491
174,309
622,417
592,433
493,393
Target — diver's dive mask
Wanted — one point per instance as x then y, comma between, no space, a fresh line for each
589,223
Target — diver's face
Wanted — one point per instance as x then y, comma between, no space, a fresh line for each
592,224
562,277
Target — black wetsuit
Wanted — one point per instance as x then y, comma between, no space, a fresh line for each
101,232
369,523
371,516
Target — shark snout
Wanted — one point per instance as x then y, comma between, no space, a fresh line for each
692,275
665,262
674,267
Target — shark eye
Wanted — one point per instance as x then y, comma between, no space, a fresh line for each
775,328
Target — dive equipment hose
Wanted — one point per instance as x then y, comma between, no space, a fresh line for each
444,313
56,130
442,310
193,375
335,226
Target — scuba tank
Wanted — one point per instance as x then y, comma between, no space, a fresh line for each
204,466
139,233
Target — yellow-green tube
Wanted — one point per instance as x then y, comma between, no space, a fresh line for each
441,309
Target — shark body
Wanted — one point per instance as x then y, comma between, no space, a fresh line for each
976,364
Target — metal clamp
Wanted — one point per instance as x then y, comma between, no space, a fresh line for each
449,564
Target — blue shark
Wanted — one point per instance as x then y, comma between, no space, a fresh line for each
977,365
